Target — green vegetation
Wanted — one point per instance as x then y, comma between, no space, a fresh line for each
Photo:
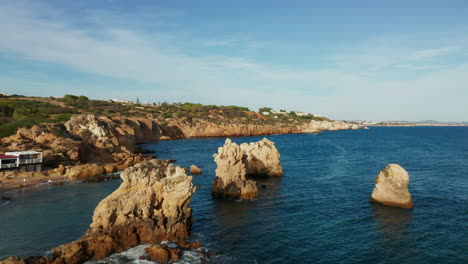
16,113
20,111
265,109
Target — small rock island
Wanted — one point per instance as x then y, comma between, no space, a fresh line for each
235,163
391,187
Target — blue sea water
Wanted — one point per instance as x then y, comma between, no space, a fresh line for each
318,212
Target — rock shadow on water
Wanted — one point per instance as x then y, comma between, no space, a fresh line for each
395,240
392,222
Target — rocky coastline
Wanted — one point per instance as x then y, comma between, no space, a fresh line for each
89,146
150,206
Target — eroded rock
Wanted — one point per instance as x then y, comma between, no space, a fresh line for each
150,206
262,158
391,187
230,178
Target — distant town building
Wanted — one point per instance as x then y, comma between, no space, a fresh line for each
120,101
265,113
21,160
302,114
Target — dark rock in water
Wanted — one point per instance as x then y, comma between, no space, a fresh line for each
265,185
6,198
171,160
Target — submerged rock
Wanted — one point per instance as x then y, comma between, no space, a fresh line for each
150,206
262,158
391,187
230,178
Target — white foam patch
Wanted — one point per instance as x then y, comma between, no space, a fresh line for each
132,256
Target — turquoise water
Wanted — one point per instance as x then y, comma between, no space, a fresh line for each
318,212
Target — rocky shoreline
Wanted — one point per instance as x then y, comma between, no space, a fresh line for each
88,146
150,206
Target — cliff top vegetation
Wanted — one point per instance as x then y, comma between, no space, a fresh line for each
20,111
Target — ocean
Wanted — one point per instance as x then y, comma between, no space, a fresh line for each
318,212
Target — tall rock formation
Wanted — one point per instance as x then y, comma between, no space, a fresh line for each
262,158
230,178
235,163
391,187
150,206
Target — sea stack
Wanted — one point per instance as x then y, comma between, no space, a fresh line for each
150,206
391,187
262,158
230,181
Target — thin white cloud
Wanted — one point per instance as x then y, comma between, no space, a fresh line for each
430,53
353,88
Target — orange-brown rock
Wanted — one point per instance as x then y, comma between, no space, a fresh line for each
391,187
195,170
84,171
159,254
163,254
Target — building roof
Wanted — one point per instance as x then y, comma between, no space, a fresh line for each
22,152
8,157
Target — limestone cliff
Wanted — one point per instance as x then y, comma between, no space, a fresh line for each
230,178
261,158
104,136
317,126
84,138
175,129
391,187
203,128
150,206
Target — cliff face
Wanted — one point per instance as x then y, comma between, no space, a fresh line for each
150,206
104,136
203,128
58,146
83,138
317,126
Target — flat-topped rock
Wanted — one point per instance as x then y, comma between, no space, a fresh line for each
391,187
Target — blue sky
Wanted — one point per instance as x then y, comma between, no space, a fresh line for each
352,60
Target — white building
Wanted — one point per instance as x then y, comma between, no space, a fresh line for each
21,160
